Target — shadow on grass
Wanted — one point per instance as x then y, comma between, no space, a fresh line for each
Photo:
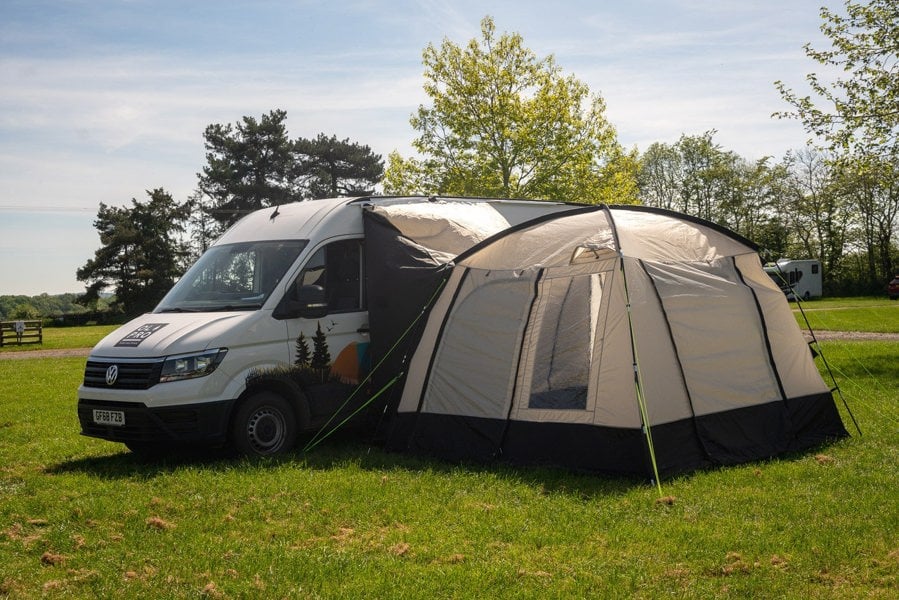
127,465
339,452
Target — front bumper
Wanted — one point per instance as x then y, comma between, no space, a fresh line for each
205,423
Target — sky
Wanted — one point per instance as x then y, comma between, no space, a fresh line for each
101,100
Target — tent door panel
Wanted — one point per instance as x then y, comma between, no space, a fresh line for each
576,366
473,372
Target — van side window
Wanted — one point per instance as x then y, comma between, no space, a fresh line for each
337,268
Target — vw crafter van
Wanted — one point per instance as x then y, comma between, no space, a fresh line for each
284,288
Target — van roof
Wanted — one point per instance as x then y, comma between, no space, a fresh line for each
284,222
300,220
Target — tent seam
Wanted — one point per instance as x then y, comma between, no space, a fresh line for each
502,440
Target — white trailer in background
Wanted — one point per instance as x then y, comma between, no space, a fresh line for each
797,278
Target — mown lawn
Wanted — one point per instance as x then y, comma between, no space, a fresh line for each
849,314
84,518
64,337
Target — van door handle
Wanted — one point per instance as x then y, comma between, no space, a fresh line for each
364,329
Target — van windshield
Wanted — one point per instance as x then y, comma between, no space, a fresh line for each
232,277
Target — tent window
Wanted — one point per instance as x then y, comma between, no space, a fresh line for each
562,362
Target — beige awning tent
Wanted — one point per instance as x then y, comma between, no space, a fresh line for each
598,338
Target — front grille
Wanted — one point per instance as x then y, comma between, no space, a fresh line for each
133,375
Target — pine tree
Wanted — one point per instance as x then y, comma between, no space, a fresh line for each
142,252
303,354
321,356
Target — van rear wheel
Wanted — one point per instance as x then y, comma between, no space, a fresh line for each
264,425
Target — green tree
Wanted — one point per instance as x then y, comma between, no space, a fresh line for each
141,253
660,176
249,166
333,167
871,188
858,112
505,123
705,175
817,215
697,177
407,177
25,311
203,227
752,191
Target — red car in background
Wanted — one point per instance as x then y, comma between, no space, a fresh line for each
893,288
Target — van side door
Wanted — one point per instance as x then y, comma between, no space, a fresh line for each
339,337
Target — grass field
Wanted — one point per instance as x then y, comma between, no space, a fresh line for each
83,518
55,338
879,315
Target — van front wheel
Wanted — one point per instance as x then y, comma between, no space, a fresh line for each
264,425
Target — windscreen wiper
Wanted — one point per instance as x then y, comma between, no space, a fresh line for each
231,307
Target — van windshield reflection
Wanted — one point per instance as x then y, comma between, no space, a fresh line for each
233,277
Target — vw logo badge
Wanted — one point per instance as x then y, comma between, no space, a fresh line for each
112,373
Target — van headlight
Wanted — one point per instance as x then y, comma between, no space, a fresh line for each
189,366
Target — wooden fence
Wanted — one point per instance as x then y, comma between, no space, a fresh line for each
21,332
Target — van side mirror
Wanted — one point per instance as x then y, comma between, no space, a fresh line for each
304,301
311,302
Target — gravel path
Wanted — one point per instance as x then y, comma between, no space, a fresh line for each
862,336
57,353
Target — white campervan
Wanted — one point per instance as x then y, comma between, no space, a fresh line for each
797,278
283,282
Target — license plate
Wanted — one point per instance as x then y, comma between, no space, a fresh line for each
109,417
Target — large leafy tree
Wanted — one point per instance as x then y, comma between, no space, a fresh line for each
818,215
503,122
694,176
870,186
249,166
697,177
858,112
333,167
660,176
141,253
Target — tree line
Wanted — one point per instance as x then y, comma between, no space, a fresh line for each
62,308
503,122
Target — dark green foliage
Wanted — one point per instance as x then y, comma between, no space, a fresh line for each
44,306
141,253
204,229
249,166
253,164
335,167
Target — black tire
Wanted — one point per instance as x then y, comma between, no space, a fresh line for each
264,425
